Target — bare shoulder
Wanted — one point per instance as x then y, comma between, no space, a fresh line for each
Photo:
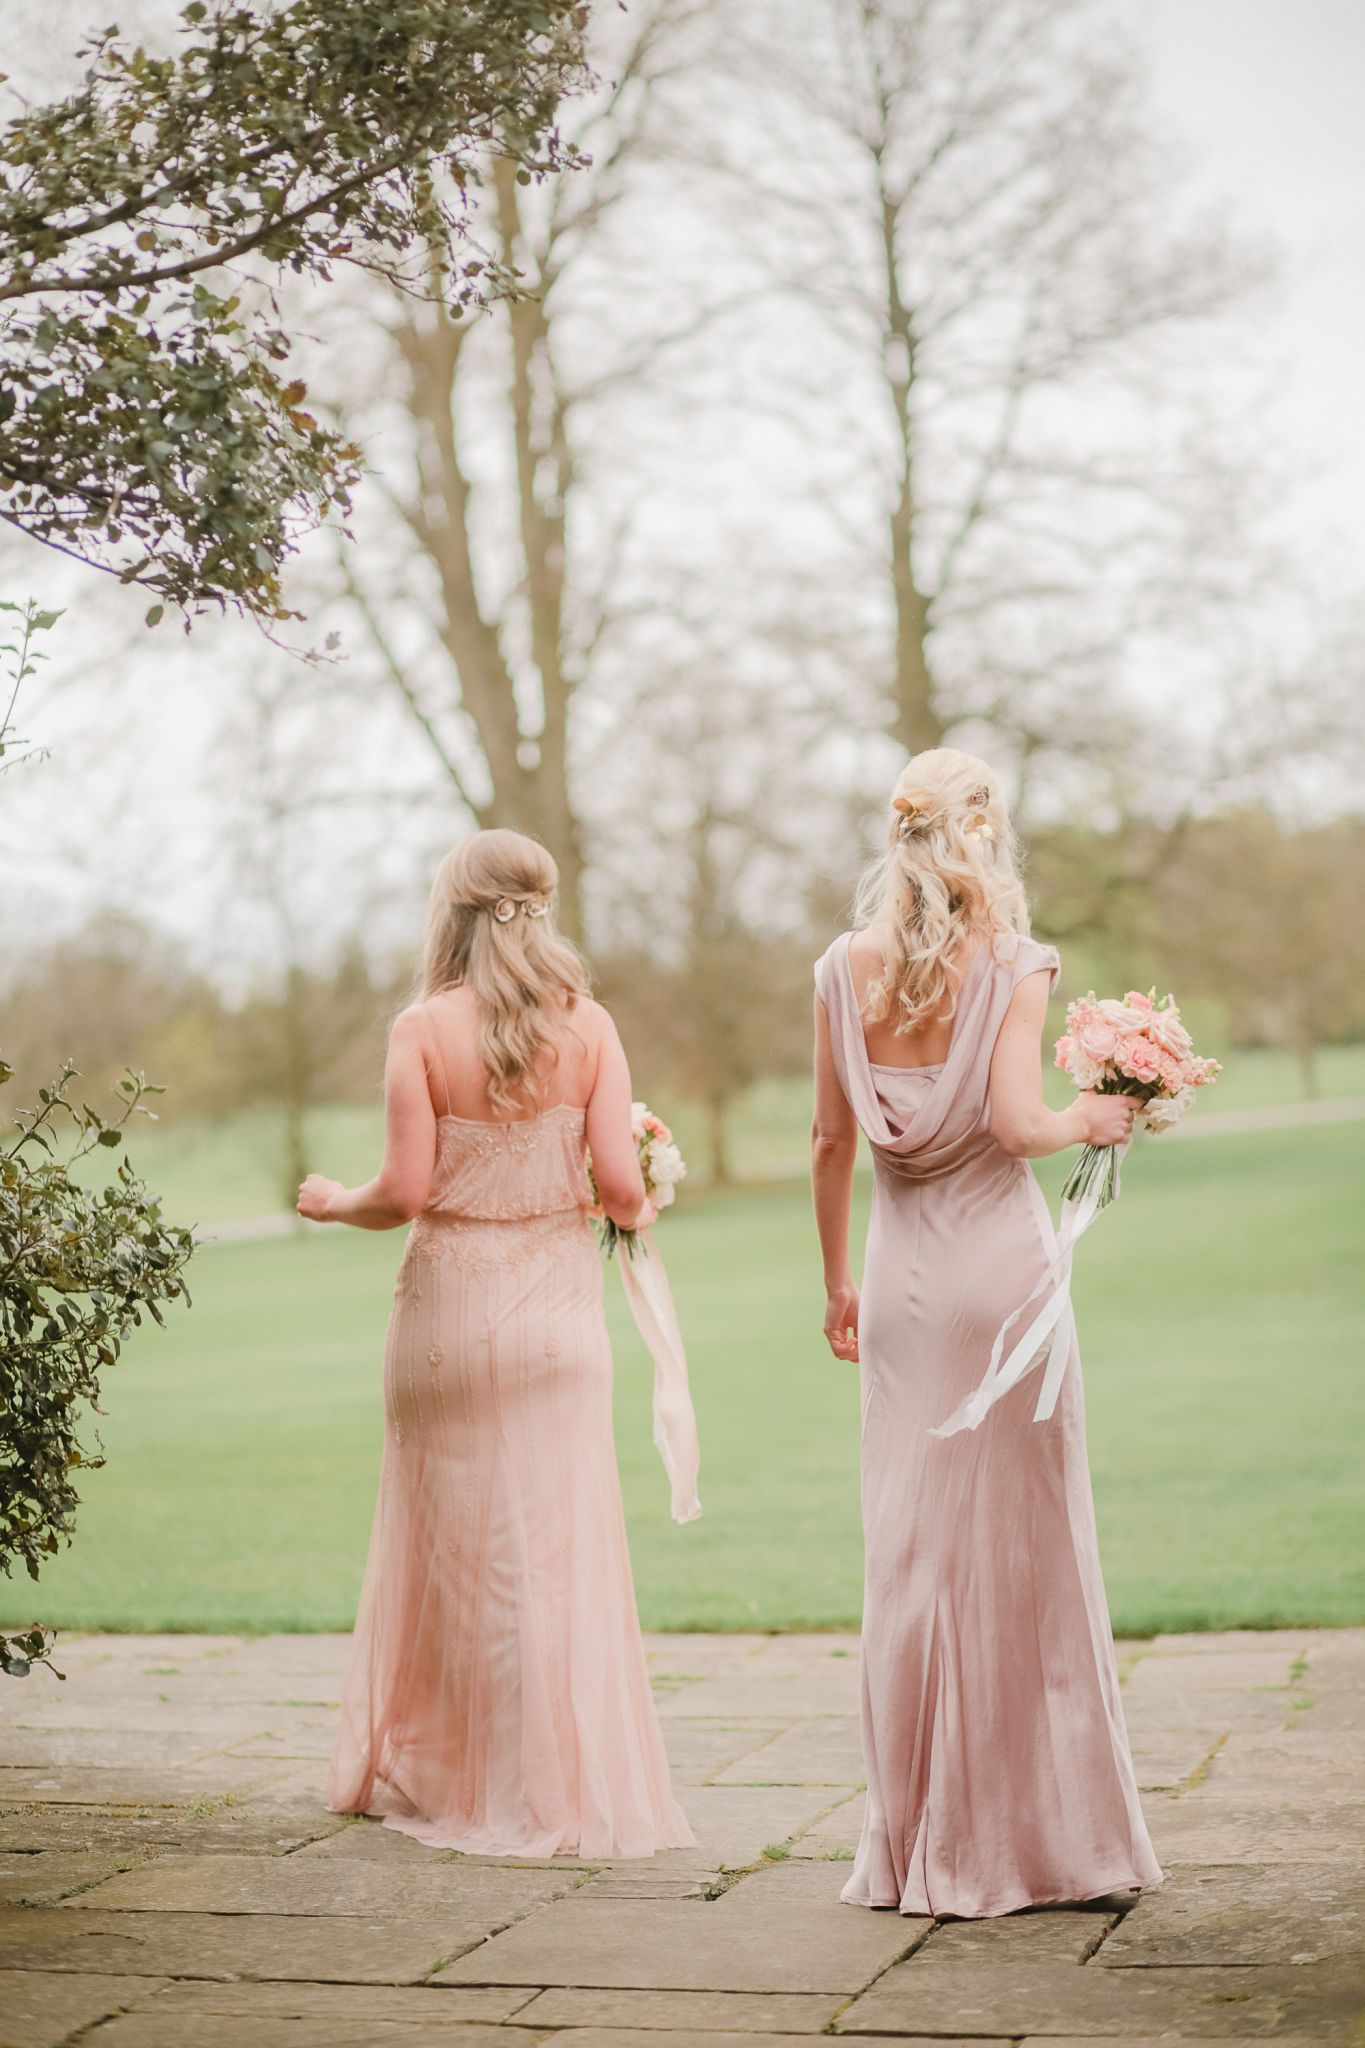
410,1027
594,1023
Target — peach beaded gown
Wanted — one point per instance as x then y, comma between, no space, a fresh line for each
496,1699
998,1768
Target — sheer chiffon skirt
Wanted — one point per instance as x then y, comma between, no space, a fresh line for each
497,1700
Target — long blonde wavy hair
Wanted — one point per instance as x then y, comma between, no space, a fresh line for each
948,876
491,929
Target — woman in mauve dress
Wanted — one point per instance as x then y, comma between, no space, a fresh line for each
998,1767
496,1699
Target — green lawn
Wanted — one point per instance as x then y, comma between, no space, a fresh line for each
1222,1313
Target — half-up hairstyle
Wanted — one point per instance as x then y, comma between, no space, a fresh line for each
491,929
948,877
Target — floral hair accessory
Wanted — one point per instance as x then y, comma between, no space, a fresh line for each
506,907
978,824
914,809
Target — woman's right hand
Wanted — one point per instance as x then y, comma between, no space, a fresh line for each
316,1196
841,1322
1108,1118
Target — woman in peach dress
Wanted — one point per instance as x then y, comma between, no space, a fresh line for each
496,1699
998,1768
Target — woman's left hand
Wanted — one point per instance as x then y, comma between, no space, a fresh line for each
316,1196
841,1322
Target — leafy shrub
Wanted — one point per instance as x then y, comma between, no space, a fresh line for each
80,1265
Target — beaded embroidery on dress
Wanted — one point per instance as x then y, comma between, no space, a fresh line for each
497,1700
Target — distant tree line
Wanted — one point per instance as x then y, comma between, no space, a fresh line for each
1252,918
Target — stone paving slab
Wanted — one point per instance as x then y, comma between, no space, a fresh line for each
72,1785
1322,2000
627,2037
735,1824
824,1750
1218,1829
256,1829
699,1750
181,1780
390,2005
683,1946
38,2010
692,2012
211,1945
1241,1913
474,1903
1166,1762
1166,2041
1070,1936
204,2030
602,2037
83,1749
756,1695
1339,1712
45,1878
307,1737
835,1835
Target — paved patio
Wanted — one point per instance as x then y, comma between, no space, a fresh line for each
171,1880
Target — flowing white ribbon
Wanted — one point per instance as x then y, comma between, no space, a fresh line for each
1053,1321
675,1426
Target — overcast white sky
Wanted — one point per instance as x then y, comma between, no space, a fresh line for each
1267,95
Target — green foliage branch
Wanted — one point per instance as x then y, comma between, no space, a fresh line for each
80,1265
149,423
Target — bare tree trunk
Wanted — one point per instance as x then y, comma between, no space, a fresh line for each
297,1091
718,1141
916,722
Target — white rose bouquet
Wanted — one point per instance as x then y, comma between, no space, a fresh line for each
662,1167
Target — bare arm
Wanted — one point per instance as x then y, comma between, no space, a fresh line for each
399,1190
1021,1122
615,1164
834,1149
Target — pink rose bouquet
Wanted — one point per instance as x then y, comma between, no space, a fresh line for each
1134,1047
661,1165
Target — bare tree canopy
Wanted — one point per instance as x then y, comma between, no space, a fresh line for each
488,609
990,244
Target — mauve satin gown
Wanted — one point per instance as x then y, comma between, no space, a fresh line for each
998,1767
496,1699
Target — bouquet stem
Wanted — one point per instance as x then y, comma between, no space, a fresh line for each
610,1235
1096,1163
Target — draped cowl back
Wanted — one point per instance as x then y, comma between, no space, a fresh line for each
998,1769
922,1131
